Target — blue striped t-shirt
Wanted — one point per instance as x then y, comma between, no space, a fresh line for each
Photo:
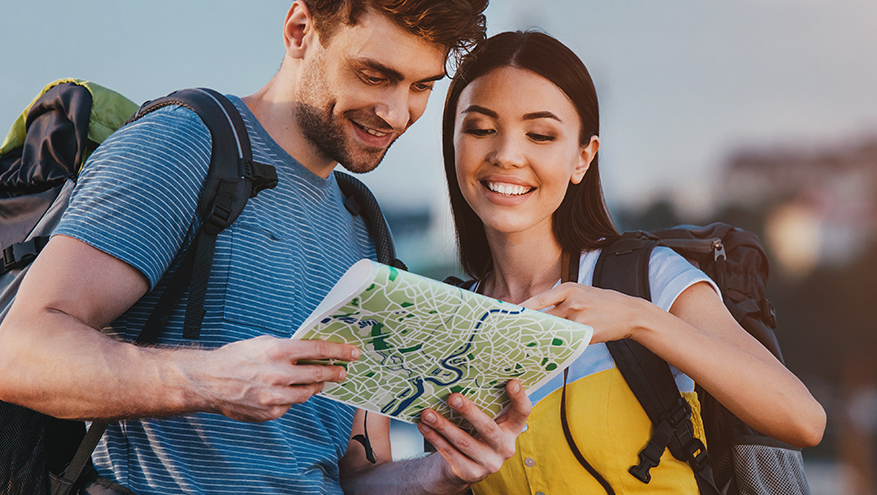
135,200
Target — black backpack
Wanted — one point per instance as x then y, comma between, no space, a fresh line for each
740,459
42,454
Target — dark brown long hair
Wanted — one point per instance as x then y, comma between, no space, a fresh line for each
582,221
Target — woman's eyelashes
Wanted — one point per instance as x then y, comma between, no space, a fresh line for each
541,138
482,130
477,129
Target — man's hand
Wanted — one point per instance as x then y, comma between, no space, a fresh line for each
259,379
471,458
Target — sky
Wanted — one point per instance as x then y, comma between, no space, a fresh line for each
682,85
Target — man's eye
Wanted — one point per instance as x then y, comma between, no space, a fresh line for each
372,79
423,87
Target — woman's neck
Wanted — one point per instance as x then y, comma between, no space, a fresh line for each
522,267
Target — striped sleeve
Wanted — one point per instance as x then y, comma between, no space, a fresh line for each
137,195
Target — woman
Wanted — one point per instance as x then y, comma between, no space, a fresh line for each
520,141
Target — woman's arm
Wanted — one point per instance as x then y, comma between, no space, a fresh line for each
701,338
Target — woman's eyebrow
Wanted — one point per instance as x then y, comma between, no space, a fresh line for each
541,115
528,116
481,110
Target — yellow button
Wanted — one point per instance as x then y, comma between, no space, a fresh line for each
530,462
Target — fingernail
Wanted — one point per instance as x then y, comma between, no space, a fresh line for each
354,354
429,418
514,387
456,402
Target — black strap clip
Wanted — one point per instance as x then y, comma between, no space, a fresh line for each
650,456
676,422
21,254
262,176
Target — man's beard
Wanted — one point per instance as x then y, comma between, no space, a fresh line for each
327,136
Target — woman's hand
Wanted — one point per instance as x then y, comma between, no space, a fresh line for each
611,314
470,458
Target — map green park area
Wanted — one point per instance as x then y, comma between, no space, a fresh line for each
421,340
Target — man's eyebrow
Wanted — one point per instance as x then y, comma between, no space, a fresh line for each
391,73
481,110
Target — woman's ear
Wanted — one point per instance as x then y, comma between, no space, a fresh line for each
586,156
298,29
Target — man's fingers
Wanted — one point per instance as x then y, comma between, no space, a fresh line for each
317,373
318,349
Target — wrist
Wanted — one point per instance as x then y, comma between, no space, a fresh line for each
448,481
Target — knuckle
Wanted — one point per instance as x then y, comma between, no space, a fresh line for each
464,443
494,466
507,451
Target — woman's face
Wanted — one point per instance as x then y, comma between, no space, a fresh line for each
516,145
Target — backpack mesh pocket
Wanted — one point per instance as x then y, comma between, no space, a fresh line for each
768,470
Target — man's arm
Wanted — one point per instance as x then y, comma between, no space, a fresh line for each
460,458
54,359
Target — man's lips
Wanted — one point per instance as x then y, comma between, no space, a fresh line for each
372,136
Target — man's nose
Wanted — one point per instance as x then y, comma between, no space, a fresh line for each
395,109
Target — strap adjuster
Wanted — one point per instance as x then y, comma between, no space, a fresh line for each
680,413
698,457
216,220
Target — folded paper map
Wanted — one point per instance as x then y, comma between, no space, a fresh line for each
421,340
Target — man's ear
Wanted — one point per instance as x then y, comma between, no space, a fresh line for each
586,156
298,29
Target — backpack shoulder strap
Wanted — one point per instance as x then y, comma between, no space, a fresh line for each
360,200
233,178
624,266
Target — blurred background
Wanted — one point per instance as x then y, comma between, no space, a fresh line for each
760,113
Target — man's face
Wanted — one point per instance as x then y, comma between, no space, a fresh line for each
363,90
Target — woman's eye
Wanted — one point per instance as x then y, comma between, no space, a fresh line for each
541,138
478,131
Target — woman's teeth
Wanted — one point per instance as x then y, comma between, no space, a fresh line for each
507,189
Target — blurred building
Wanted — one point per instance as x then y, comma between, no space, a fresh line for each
819,204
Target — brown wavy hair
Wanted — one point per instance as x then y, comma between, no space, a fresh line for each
456,25
582,222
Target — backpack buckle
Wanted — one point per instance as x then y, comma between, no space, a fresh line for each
260,175
20,254
641,470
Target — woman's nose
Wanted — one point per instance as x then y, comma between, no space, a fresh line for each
508,152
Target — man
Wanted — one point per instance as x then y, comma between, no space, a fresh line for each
238,412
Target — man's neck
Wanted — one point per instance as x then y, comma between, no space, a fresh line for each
277,116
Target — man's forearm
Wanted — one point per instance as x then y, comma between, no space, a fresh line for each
62,367
428,475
